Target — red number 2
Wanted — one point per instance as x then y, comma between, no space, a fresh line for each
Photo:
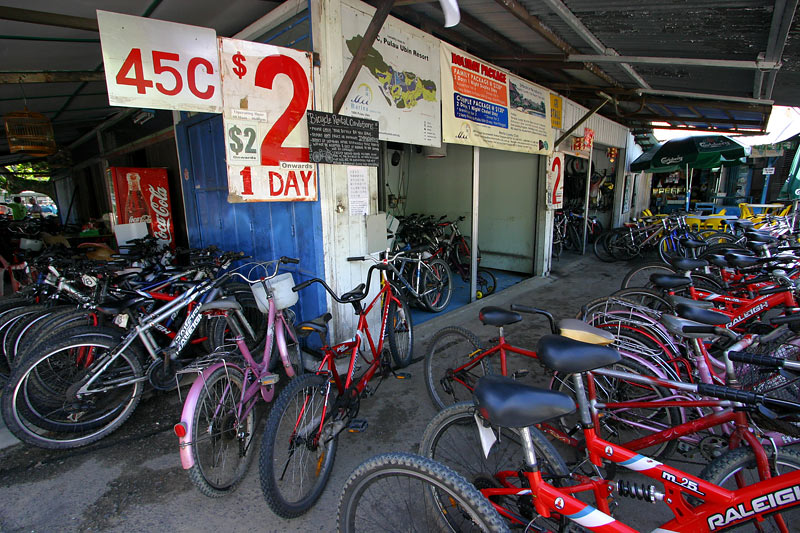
272,151
556,165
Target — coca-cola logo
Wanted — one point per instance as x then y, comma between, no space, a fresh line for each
159,205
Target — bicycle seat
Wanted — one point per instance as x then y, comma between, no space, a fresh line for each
761,237
741,223
497,316
717,260
692,243
741,261
560,353
683,263
355,294
508,403
115,307
704,316
221,304
675,325
319,324
669,281
675,300
578,330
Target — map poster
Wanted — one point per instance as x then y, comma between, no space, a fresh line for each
398,85
266,91
483,105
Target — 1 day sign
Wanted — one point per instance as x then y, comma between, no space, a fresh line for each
266,93
156,64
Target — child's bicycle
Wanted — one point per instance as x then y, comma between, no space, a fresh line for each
219,418
300,438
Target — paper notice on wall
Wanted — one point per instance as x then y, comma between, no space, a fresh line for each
358,190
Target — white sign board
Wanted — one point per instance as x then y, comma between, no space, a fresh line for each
398,85
769,170
484,105
266,93
358,190
157,64
555,181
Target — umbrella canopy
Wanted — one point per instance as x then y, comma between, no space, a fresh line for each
791,187
702,151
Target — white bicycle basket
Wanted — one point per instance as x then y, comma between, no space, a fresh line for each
280,287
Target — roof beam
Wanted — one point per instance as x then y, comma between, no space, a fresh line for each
705,96
688,61
519,11
560,9
704,120
58,76
777,41
48,19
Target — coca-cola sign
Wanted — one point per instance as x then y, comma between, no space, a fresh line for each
142,195
159,207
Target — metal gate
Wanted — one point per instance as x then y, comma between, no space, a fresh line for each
264,230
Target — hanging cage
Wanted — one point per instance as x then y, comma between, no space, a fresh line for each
29,132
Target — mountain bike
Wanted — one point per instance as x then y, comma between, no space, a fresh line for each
219,416
301,435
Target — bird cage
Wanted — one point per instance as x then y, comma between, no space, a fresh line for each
30,132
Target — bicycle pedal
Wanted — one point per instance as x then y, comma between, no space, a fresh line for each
357,425
268,379
402,375
521,373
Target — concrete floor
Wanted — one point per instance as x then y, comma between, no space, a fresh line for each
133,481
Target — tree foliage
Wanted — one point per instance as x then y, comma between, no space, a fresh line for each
29,176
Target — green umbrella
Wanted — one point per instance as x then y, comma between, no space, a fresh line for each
702,151
791,187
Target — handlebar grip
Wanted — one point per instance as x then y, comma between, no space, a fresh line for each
727,393
773,291
756,359
778,320
527,309
292,260
356,258
302,286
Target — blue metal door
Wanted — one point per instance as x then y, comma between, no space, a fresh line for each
264,230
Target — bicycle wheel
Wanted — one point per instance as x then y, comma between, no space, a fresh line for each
713,237
221,440
622,246
404,492
463,251
574,237
741,463
639,276
400,331
24,332
437,286
451,367
486,283
600,248
624,425
452,439
558,245
646,297
298,448
40,405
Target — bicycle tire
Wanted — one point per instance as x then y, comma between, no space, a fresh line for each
622,245
617,391
381,491
450,348
741,460
11,318
486,283
647,297
574,238
19,402
220,337
438,277
715,237
639,276
216,421
558,246
54,327
400,331
280,442
25,331
600,248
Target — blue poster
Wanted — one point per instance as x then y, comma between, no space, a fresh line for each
480,111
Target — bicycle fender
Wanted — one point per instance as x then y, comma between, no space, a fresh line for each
280,341
187,414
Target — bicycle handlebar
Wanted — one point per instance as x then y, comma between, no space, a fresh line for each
536,311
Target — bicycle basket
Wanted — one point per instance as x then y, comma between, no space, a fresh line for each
279,288
757,379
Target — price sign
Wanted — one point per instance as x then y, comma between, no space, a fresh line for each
768,171
555,180
266,93
157,64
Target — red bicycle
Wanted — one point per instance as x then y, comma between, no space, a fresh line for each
300,438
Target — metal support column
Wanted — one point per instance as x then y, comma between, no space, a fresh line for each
586,202
473,254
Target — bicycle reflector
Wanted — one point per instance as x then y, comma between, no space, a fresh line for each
180,430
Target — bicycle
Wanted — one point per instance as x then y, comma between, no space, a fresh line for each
524,495
426,280
301,435
379,494
219,415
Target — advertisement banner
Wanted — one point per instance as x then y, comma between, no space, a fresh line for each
266,91
142,195
157,64
555,181
484,105
398,85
